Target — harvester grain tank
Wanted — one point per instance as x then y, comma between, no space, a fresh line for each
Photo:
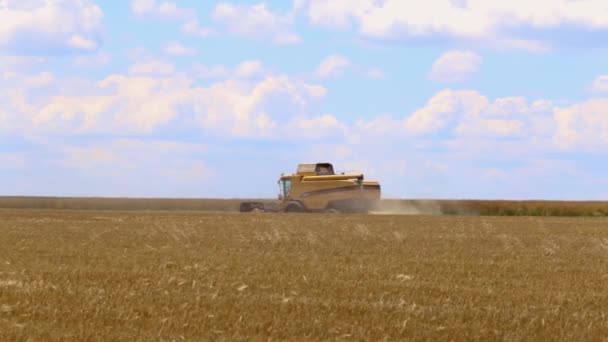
317,188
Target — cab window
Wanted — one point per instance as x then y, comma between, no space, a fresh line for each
324,169
285,187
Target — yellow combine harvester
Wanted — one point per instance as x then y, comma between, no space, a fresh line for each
317,188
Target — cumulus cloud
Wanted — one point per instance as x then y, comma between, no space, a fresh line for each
248,69
468,113
315,127
530,45
332,66
256,109
583,125
250,103
178,49
379,126
94,60
152,67
442,108
194,28
476,20
19,64
244,70
333,14
3,118
375,73
200,70
256,21
131,167
164,9
144,104
130,154
41,80
12,160
43,27
455,66
462,120
600,84
491,128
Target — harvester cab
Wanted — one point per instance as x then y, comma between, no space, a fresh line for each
319,169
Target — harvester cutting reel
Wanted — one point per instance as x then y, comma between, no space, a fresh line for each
247,207
289,207
294,207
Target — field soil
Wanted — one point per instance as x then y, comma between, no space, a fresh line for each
103,275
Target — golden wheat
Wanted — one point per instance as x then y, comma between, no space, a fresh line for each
148,276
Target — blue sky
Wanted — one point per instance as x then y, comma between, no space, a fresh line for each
441,99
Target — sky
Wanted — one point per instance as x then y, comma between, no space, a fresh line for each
475,99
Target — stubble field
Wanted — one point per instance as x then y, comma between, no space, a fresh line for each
90,275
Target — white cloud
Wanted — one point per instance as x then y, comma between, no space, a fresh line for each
22,64
129,165
244,70
530,45
248,69
163,9
600,84
258,109
78,42
141,7
145,104
441,109
193,28
43,27
333,65
455,66
88,157
256,21
95,60
118,104
491,128
375,73
382,125
463,120
252,103
315,127
128,153
12,160
3,117
41,80
152,67
177,49
436,144
334,14
467,113
211,72
583,125
476,20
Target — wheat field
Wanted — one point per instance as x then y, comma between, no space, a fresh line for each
135,276
402,206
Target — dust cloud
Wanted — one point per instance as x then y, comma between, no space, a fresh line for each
400,207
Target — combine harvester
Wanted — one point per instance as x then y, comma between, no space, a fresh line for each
317,188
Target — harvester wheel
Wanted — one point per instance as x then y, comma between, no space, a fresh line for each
294,207
332,211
